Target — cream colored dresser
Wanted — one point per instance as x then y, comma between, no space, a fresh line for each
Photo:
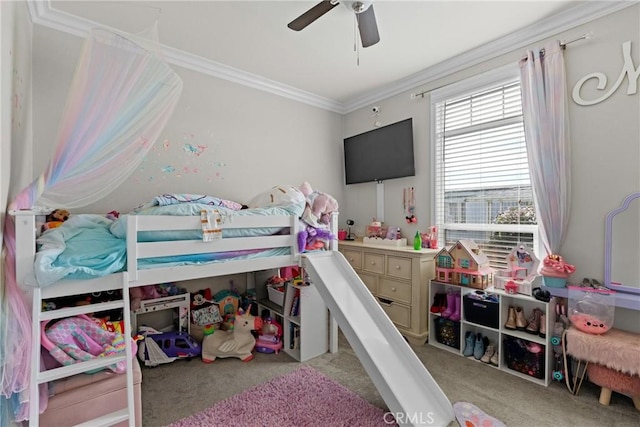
399,279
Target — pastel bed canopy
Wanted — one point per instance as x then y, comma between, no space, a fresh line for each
120,99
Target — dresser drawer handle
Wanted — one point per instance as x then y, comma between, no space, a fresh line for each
393,289
398,267
373,263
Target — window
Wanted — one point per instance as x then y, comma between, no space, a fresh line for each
445,261
481,175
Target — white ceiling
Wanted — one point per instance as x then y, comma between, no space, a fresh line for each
319,63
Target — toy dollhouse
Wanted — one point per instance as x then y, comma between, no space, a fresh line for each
464,264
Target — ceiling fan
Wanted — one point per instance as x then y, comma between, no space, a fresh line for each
365,16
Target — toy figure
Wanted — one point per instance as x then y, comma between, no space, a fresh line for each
55,219
238,342
270,338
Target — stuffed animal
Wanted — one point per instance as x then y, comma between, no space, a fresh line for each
238,342
139,293
55,219
312,238
281,195
319,206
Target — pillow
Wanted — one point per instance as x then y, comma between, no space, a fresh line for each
200,199
281,195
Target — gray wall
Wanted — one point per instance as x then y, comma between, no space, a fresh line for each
254,140
605,145
15,110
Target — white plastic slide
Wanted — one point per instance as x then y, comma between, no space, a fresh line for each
408,389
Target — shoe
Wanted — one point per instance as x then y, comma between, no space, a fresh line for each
495,359
521,322
450,305
478,348
469,343
439,300
533,325
543,326
511,319
488,354
455,316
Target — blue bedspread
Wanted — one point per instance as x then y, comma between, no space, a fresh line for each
88,246
82,248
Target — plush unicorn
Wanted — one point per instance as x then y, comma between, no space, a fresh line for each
238,342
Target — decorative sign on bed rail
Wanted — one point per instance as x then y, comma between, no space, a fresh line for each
211,225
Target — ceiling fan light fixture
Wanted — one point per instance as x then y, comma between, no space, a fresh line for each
358,6
363,11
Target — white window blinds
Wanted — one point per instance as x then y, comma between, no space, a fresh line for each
482,186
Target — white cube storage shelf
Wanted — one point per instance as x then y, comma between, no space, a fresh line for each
498,333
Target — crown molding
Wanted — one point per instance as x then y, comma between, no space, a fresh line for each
558,23
43,14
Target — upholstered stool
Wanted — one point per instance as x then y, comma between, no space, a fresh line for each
612,380
614,361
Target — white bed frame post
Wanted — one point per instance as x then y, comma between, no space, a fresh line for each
132,247
25,234
333,323
25,228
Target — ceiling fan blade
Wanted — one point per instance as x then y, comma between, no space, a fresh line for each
311,15
368,27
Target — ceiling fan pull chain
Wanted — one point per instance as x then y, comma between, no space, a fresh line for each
356,45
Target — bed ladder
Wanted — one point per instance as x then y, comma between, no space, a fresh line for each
38,377
26,226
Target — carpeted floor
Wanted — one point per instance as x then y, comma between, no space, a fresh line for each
304,397
180,389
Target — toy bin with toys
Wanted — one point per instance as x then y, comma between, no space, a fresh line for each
482,308
275,290
524,356
447,332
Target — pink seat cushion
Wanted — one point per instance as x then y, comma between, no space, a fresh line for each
614,380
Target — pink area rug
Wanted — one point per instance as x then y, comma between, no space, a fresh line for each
304,397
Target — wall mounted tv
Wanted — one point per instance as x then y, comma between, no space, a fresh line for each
380,154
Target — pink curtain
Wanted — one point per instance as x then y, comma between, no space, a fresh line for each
121,97
546,124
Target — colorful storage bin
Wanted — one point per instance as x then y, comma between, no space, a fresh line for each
447,332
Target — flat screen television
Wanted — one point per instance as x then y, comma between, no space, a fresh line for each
380,154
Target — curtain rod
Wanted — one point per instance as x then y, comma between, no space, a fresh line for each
563,45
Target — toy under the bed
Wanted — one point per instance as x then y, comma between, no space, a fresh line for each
80,338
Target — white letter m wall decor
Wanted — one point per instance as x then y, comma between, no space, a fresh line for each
628,69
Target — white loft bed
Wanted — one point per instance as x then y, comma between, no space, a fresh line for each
26,231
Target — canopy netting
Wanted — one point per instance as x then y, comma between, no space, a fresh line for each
120,99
